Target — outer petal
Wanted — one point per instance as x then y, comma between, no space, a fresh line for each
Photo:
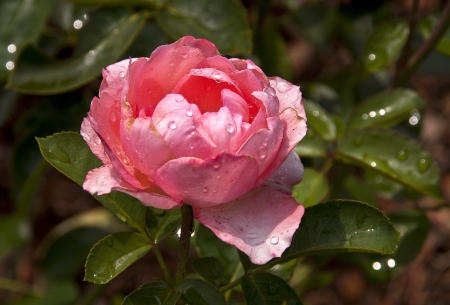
203,183
144,146
206,46
260,223
105,179
290,172
294,129
289,95
94,142
114,78
235,103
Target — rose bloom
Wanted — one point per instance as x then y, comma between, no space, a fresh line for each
188,125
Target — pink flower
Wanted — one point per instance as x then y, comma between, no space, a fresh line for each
189,125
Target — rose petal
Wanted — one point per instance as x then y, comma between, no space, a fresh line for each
289,95
290,172
235,103
206,46
114,78
144,146
268,100
263,145
151,79
203,183
294,129
105,179
218,62
93,141
181,128
260,223
203,87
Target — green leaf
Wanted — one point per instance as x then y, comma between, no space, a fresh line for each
427,25
386,109
268,289
271,50
21,21
313,188
320,120
113,254
14,232
207,245
162,223
69,250
360,190
37,74
413,226
145,3
155,293
199,292
384,44
224,22
311,146
209,268
342,226
70,154
394,155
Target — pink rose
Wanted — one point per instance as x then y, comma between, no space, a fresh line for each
189,125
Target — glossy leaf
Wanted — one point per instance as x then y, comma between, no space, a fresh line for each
14,232
209,268
162,223
386,109
69,154
384,44
37,74
311,145
155,293
313,188
199,292
342,226
320,120
384,186
271,50
21,21
268,289
207,245
224,22
360,190
69,250
427,25
113,254
394,155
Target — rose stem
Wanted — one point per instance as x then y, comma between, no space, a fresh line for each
187,222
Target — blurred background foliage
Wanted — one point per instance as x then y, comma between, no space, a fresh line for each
379,132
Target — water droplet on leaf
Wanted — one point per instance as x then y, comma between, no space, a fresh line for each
402,155
424,164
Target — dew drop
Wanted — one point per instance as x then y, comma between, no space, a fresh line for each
172,125
424,164
12,48
372,114
229,128
316,113
113,116
402,155
10,65
372,57
282,87
189,112
205,190
373,164
216,166
270,91
216,76
274,240
262,153
364,116
179,98
382,112
122,74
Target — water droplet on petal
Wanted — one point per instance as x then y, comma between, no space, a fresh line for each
262,153
216,76
282,87
104,183
121,74
172,125
274,240
205,190
216,166
189,112
229,128
270,91
179,98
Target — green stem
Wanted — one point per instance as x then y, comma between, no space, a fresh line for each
187,223
162,263
233,277
406,51
427,46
